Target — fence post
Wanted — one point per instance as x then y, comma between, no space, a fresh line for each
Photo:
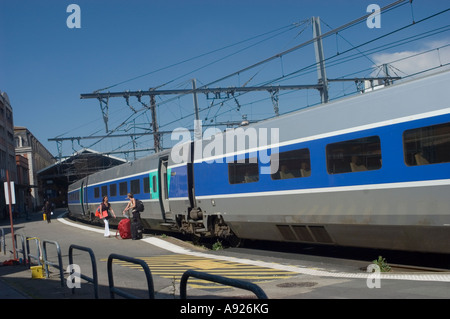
22,250
3,242
38,248
94,278
221,280
148,275
46,262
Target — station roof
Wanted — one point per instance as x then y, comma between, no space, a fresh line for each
79,165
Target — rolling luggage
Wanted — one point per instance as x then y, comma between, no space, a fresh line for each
136,226
124,229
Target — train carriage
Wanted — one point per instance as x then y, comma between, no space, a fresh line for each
371,170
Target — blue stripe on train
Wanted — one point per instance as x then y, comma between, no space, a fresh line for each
212,179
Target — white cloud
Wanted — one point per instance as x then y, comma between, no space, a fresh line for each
405,63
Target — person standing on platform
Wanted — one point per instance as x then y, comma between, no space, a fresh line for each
106,207
136,223
47,209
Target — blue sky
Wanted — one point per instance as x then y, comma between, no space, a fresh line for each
45,66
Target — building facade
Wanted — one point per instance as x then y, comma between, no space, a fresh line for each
38,157
7,154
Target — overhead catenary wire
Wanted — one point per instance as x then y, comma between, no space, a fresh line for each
285,28
284,77
297,47
301,45
313,65
341,59
392,6
311,68
272,33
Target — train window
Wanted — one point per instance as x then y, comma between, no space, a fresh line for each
245,172
113,190
155,186
291,164
427,145
362,154
135,185
123,188
146,185
104,190
96,192
74,196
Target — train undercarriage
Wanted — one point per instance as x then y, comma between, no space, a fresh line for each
201,225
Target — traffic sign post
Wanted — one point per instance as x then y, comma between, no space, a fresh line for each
8,190
10,199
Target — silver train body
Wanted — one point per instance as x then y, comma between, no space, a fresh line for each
371,170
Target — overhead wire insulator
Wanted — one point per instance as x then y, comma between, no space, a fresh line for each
275,99
104,106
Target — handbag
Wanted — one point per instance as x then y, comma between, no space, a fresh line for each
103,214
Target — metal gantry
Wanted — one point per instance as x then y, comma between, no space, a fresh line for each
321,86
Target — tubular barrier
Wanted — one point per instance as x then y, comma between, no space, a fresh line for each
59,265
94,278
38,249
148,274
3,242
22,250
221,280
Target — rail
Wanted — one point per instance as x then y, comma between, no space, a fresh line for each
221,280
47,263
38,251
113,290
3,242
22,250
94,279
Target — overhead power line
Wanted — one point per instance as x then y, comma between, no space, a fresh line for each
205,89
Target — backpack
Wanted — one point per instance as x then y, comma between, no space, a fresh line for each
139,205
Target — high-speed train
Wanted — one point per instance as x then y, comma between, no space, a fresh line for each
371,170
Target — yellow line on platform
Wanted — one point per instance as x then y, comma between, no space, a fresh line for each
174,266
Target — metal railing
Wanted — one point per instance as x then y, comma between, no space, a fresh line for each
38,251
59,265
3,242
113,290
94,278
260,294
221,280
21,250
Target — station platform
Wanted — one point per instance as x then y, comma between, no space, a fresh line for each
297,278
16,283
16,280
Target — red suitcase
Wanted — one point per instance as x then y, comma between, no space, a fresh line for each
124,228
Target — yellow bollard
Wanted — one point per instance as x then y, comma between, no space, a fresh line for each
37,272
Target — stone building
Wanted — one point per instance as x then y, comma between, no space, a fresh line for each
28,146
7,154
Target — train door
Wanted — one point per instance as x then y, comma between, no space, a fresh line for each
164,188
84,197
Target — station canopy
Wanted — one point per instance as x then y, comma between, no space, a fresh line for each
79,165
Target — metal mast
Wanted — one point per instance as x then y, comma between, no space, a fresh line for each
318,48
156,138
321,86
